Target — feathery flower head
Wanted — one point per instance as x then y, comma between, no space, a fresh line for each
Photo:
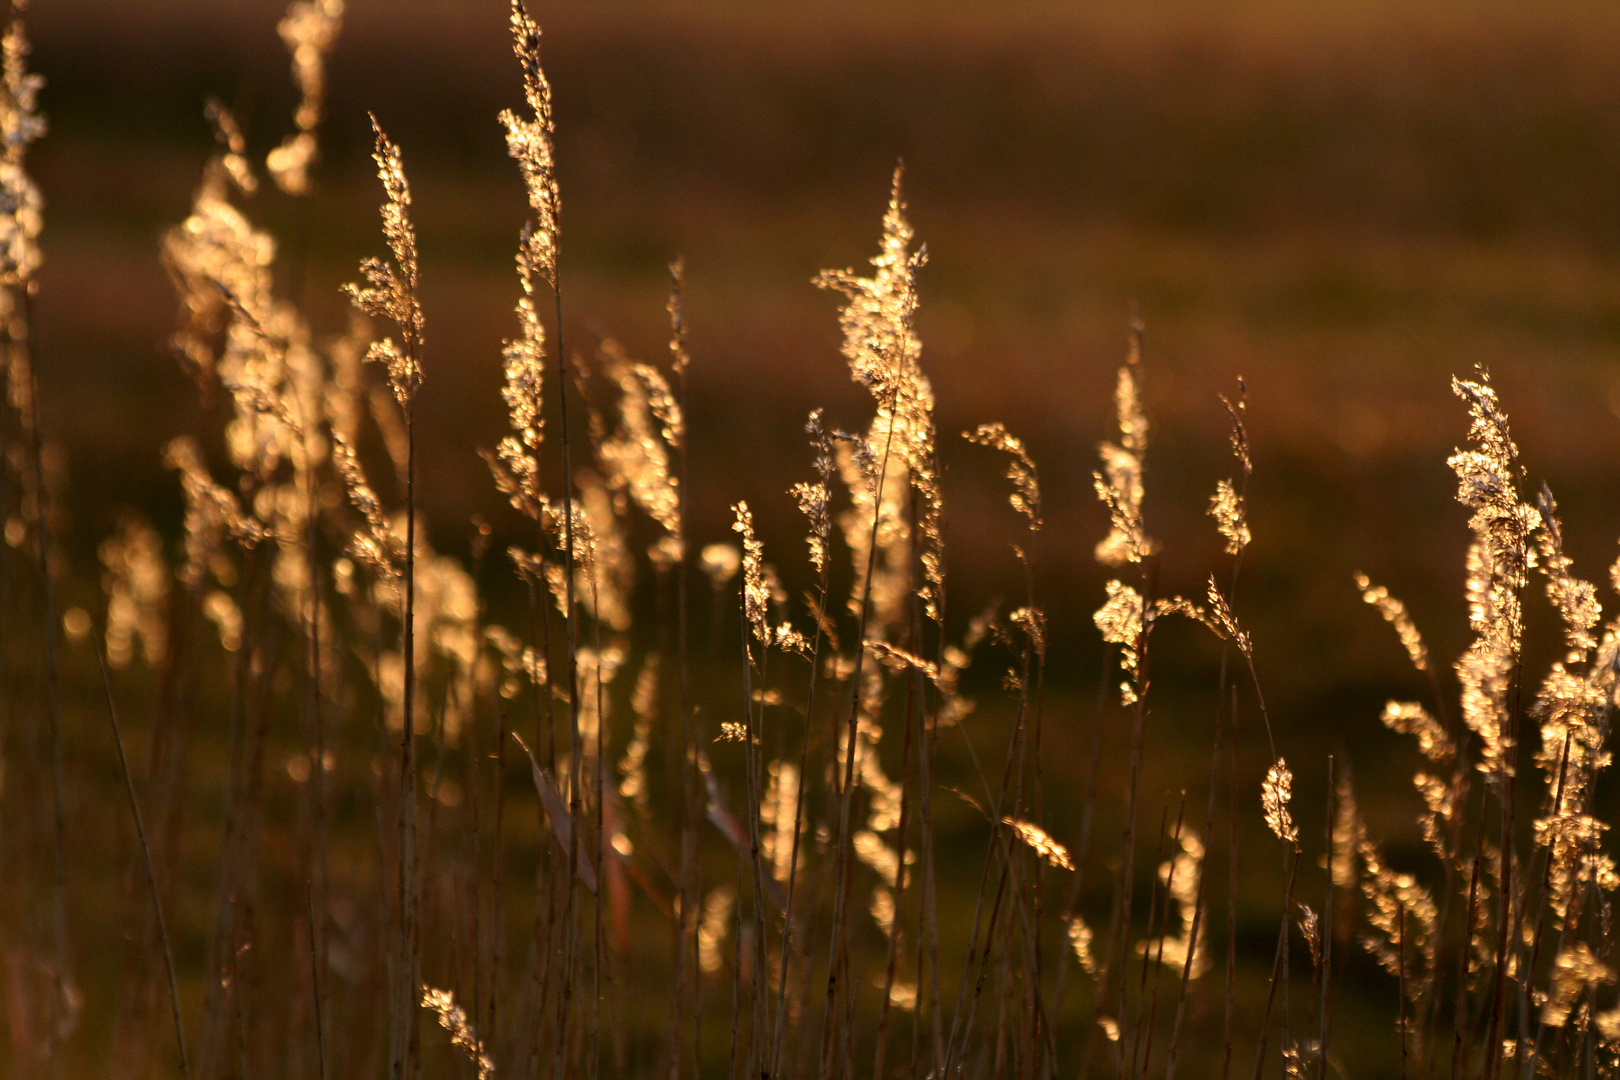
136,580
680,359
1121,622
22,208
1119,483
1410,718
390,289
453,1018
1394,613
720,562
1226,507
528,142
1498,568
1238,414
1180,877
228,134
1080,936
1575,600
1577,968
211,511
756,596
1310,928
1404,920
218,262
1224,623
636,456
1026,493
813,497
1276,792
1040,842
883,351
309,30
376,543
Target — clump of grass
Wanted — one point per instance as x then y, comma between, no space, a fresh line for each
751,831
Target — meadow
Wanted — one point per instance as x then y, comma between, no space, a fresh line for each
970,541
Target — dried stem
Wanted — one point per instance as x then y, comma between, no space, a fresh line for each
146,860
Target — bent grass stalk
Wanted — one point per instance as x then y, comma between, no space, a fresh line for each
146,861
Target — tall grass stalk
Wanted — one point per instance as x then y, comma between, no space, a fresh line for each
146,862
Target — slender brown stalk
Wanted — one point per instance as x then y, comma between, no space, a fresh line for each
408,979
317,721
1526,1054
1083,847
1122,929
1327,932
315,986
798,805
497,904
1231,894
686,996
146,859
1158,959
1001,844
1188,960
1461,1008
912,705
841,873
52,674
1276,965
1493,1038
952,1053
1400,957
1531,1054
576,745
597,937
751,754
928,914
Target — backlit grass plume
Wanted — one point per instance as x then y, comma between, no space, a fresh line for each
136,580
453,1018
309,30
1026,493
389,291
528,140
517,458
22,207
1227,505
1040,842
637,456
1119,483
884,352
1394,613
1498,568
1276,795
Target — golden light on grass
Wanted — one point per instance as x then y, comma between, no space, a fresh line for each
332,706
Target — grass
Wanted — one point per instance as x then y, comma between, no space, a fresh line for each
637,788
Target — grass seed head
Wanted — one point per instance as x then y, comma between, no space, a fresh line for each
309,30
1276,792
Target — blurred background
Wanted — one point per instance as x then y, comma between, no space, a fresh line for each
1345,205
